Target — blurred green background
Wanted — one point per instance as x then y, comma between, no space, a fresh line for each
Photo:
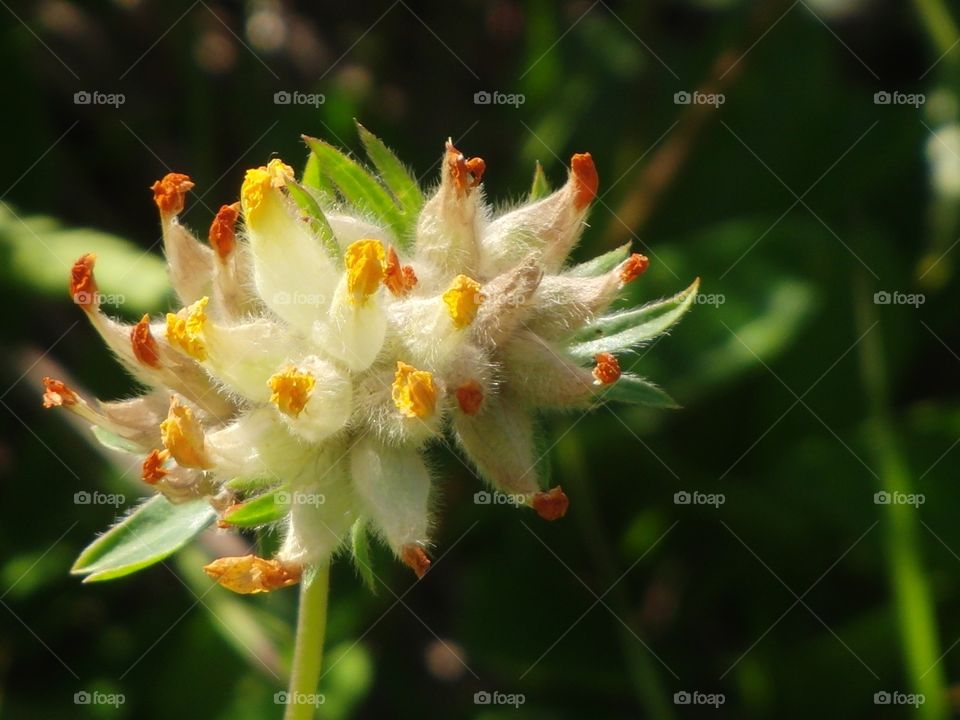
796,196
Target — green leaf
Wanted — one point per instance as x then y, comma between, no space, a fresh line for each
152,532
318,182
318,221
359,187
394,174
540,187
638,391
600,264
360,546
113,441
250,484
626,329
262,510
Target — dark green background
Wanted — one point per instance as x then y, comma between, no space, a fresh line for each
801,396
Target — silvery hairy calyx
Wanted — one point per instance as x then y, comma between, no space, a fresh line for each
332,328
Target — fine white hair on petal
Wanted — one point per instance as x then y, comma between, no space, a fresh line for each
563,304
189,262
375,411
348,229
352,332
393,486
544,376
329,404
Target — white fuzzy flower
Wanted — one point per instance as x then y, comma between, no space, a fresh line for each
317,354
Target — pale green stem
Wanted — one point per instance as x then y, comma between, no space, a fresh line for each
308,653
913,599
939,26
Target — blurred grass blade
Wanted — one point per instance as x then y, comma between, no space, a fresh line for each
600,264
262,510
626,329
638,391
359,187
394,174
153,531
360,545
540,186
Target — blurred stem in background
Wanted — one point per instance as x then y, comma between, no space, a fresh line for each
308,654
644,674
912,596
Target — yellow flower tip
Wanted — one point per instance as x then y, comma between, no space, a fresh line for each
83,286
144,344
250,574
462,300
259,183
470,397
182,436
152,470
185,329
399,279
223,230
168,192
607,369
551,505
57,394
466,173
413,391
583,174
290,390
415,558
365,261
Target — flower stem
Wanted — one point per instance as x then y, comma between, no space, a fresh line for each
308,653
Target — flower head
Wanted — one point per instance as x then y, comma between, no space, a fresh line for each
323,342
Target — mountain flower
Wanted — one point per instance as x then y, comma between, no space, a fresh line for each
335,326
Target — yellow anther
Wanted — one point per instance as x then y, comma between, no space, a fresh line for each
182,436
187,332
251,574
414,393
462,300
259,182
364,260
290,390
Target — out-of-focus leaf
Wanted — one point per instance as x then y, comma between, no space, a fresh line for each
262,510
626,329
540,186
394,174
360,545
347,681
600,264
152,532
359,187
38,253
639,391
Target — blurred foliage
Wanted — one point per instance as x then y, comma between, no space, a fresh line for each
779,200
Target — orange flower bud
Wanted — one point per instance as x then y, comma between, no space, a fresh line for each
168,192
223,233
145,347
584,174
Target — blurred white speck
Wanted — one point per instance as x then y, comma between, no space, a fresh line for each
215,52
267,30
943,154
445,659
